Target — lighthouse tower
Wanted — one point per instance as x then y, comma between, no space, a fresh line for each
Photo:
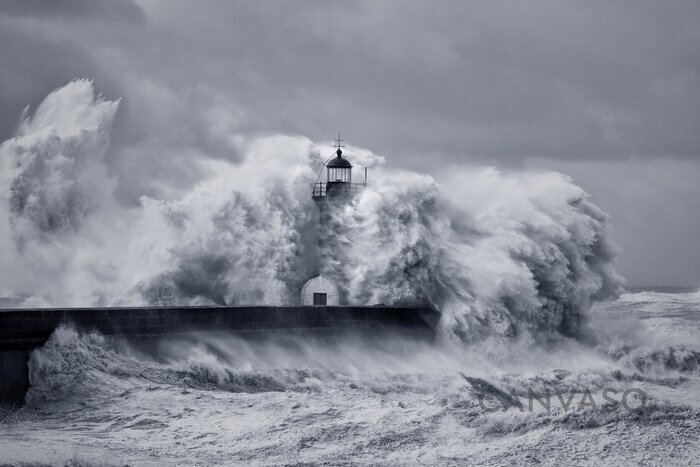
338,184
329,195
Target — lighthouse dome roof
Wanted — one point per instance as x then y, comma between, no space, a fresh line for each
339,161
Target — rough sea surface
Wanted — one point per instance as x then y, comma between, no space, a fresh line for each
217,399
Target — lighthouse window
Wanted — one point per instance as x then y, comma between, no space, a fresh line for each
320,299
338,175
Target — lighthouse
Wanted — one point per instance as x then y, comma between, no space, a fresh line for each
338,180
331,193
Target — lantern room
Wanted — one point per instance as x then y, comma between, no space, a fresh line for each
339,169
338,183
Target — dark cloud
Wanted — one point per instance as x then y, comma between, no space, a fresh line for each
542,79
122,10
539,79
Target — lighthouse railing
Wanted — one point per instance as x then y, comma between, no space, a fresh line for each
320,189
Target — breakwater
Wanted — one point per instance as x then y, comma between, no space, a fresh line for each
22,330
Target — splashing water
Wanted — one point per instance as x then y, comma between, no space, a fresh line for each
519,254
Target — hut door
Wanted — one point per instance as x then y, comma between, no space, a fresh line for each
320,298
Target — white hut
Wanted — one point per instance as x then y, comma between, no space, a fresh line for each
319,291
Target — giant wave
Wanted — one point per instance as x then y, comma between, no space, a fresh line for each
516,254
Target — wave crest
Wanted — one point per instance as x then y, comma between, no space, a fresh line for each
505,254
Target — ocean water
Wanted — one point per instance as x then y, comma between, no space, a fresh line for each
211,399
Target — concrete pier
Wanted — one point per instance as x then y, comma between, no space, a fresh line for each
22,330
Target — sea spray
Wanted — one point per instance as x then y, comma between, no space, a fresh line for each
514,254
53,170
492,251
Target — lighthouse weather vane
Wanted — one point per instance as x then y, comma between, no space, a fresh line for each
339,142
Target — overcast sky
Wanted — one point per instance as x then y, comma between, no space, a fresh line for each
607,92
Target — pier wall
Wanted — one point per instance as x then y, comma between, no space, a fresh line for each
22,330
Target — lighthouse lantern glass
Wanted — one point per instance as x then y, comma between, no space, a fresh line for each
339,174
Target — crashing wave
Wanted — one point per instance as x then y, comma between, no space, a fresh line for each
73,363
499,254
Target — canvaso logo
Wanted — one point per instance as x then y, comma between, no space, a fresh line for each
492,399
